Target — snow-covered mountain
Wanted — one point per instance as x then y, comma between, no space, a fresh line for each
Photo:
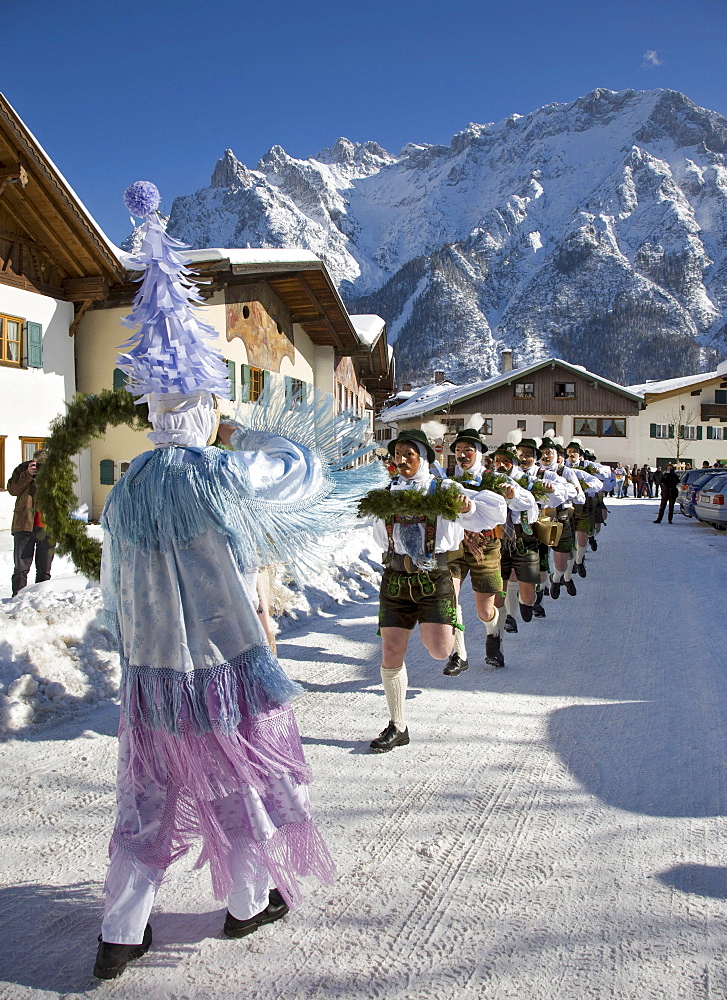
596,231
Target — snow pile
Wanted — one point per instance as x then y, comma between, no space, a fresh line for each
55,658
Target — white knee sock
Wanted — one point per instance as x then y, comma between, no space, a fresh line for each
459,646
569,568
557,575
494,625
512,598
395,683
580,552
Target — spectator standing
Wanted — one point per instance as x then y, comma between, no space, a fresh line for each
656,478
635,480
622,481
669,483
29,537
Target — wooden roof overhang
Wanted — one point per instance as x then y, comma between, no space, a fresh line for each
51,243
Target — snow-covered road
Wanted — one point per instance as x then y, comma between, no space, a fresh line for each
555,829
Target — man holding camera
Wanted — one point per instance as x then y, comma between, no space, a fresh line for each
28,532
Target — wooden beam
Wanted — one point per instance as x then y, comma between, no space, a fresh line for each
313,298
91,289
81,310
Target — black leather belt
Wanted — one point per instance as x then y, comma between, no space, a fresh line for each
405,564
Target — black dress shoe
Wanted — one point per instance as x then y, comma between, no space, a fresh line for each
455,666
593,543
657,521
538,611
391,737
510,624
493,651
112,959
580,569
570,587
276,908
554,588
526,612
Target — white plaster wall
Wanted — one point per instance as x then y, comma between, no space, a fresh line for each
668,411
30,398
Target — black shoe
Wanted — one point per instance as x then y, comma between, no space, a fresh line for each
554,589
657,521
539,596
570,587
593,543
456,666
538,611
546,591
493,651
276,908
391,737
510,624
580,569
526,612
112,959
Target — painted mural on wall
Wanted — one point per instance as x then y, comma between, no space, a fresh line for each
264,337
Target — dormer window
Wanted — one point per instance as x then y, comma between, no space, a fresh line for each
564,390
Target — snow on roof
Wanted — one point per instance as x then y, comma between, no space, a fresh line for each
439,394
369,327
254,255
670,384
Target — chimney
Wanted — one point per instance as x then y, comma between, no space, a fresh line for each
506,362
439,376
406,386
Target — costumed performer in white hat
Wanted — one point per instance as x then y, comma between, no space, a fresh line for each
208,745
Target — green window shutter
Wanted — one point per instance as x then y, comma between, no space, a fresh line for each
288,390
244,383
699,432
652,432
107,472
681,431
671,430
710,432
35,345
120,379
233,381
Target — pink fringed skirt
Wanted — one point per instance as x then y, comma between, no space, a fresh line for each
243,794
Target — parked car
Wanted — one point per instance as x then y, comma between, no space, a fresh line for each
691,481
710,504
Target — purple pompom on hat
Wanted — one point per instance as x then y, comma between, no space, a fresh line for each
142,198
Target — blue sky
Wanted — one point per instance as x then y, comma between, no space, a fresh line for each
157,90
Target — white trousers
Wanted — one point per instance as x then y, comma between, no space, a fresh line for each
131,889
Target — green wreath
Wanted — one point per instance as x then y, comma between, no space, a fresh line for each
444,501
87,417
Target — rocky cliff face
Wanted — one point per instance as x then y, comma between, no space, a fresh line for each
595,230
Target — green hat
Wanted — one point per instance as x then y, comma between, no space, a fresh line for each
590,455
533,443
577,445
414,437
470,436
508,448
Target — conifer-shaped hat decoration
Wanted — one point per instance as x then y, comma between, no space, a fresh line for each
171,350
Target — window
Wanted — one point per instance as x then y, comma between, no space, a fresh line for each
453,424
123,468
720,395
524,390
548,428
486,427
294,392
11,340
564,390
661,430
29,446
689,432
252,383
713,433
522,425
600,427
